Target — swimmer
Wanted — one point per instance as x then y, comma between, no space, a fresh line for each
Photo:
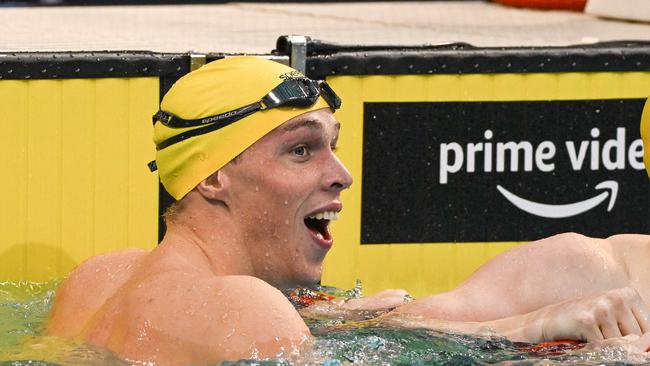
246,146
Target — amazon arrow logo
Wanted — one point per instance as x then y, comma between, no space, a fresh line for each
564,210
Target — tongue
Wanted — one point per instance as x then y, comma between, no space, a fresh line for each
318,234
319,227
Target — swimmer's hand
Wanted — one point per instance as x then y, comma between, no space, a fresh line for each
632,343
385,300
362,308
615,314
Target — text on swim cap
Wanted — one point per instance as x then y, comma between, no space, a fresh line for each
291,75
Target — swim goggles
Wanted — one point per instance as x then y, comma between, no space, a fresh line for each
294,92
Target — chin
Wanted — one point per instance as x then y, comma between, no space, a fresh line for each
309,278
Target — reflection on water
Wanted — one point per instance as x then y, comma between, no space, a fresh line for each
24,307
23,310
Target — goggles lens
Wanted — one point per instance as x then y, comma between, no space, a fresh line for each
292,93
295,92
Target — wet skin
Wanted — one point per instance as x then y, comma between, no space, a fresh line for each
209,291
276,184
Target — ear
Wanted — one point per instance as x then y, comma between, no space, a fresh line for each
215,187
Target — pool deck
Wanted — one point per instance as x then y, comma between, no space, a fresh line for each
254,27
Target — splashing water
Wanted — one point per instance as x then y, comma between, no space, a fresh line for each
24,307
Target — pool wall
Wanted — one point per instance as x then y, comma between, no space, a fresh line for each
433,135
76,140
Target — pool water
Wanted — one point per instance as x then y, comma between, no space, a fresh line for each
24,307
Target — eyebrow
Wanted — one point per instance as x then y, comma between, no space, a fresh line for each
309,123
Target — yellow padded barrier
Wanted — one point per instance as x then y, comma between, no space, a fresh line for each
74,177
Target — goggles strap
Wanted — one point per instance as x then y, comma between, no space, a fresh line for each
222,119
212,123
212,126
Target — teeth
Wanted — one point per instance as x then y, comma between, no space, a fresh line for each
327,215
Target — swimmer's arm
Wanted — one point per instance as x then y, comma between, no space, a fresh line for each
225,318
614,314
556,269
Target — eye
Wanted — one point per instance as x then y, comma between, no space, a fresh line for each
300,151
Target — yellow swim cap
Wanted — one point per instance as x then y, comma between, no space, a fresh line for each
645,135
217,88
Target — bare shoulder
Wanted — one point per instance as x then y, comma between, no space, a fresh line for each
94,273
197,319
88,287
109,262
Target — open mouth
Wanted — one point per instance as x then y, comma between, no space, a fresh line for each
318,224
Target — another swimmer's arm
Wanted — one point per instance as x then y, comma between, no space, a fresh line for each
563,267
616,313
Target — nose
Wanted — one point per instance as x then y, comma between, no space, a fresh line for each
338,177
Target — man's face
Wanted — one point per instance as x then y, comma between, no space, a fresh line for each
284,192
